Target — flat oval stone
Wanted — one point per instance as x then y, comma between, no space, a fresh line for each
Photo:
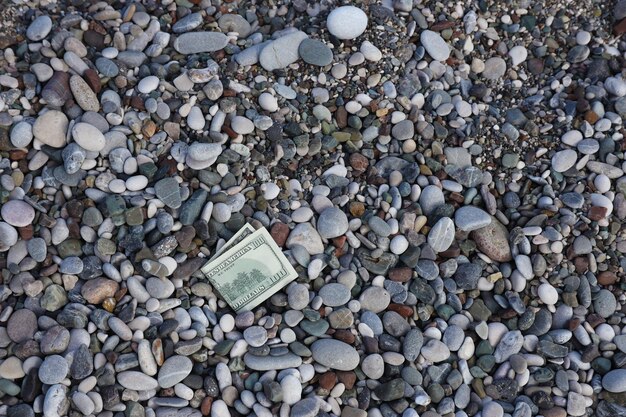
17,213
187,23
441,235
431,198
255,336
332,222
174,370
55,403
22,325
50,128
564,160
282,52
435,351
84,95
137,381
469,218
198,42
88,137
334,294
615,381
39,29
57,90
266,363
335,354
493,241
315,52
53,369
434,44
494,68
232,22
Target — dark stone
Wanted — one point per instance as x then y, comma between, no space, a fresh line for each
82,366
392,390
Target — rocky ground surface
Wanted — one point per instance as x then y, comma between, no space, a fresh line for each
447,178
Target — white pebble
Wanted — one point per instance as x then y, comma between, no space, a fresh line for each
547,294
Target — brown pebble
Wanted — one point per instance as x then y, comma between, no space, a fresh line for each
595,320
620,28
94,39
401,309
327,380
573,324
607,278
93,80
581,264
280,233
359,162
26,232
57,90
493,241
96,290
597,213
554,412
205,406
357,209
591,117
348,378
403,274
341,116
344,336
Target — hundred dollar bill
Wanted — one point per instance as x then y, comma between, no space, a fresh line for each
245,231
250,272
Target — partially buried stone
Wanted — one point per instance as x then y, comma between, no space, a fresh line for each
332,223
335,354
174,370
469,218
315,52
434,44
467,276
232,22
168,191
39,29
282,52
53,369
198,42
50,128
22,325
334,294
73,158
17,213
494,68
564,160
266,363
615,381
57,90
493,241
441,235
83,94
305,235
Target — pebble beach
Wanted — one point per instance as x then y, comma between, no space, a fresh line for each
446,178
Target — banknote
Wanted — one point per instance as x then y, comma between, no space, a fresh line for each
246,230
250,271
